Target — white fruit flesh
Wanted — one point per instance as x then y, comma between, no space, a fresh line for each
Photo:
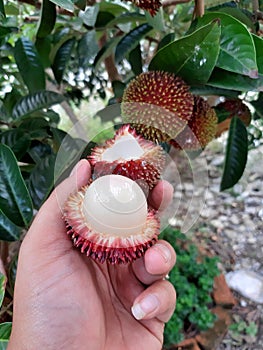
115,205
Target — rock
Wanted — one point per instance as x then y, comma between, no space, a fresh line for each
222,295
248,283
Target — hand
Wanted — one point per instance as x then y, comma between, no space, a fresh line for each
64,300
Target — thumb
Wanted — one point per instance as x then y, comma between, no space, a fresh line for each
48,227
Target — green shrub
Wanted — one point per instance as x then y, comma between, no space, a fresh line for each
193,279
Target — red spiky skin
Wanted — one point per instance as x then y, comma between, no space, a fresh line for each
158,105
201,128
152,6
232,107
147,169
107,248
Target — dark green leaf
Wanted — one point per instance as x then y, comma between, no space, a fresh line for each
130,41
39,151
227,80
118,88
192,57
29,65
2,287
236,154
259,52
62,58
41,180
69,151
126,18
5,332
47,19
12,269
110,7
8,230
237,51
6,30
103,18
87,49
2,9
237,13
18,140
135,60
14,197
81,4
36,101
205,90
43,46
65,4
11,99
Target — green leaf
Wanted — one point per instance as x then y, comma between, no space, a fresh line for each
62,58
41,180
5,332
18,140
65,4
87,49
47,19
15,201
29,65
258,42
236,154
192,57
237,50
115,9
157,21
233,81
126,18
2,287
130,41
2,10
36,101
135,60
43,46
89,16
8,230
6,30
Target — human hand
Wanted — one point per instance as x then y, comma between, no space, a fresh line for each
64,300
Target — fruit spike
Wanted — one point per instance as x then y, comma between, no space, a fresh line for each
109,220
201,128
158,105
130,155
152,6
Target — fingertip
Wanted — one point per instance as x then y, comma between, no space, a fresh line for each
160,258
162,195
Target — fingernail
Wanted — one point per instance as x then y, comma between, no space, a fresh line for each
164,251
145,307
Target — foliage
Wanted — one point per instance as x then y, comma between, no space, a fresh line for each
66,52
193,280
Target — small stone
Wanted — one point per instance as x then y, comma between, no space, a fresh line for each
247,283
243,303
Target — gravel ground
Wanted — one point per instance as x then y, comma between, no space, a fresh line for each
228,223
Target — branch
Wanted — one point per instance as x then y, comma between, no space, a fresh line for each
109,62
199,9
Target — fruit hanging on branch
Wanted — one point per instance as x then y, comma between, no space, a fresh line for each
152,6
158,105
229,109
201,128
109,220
130,155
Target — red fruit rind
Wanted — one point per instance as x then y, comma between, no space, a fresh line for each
104,247
152,6
147,168
158,105
201,128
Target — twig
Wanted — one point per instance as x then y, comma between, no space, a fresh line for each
199,9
